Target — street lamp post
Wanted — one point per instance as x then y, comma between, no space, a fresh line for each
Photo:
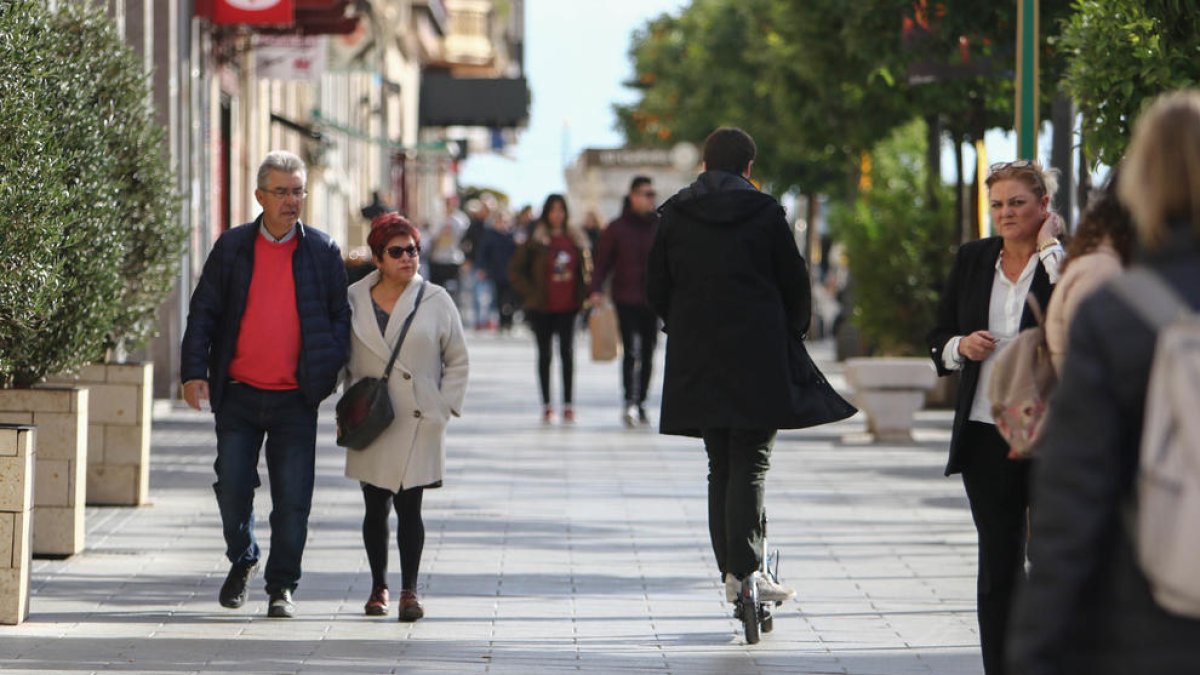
1027,78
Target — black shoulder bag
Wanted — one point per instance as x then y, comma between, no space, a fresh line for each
365,410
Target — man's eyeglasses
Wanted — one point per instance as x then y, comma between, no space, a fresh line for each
398,252
282,193
647,193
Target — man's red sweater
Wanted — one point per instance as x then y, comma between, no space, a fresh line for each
268,345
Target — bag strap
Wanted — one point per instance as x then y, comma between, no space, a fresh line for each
1151,297
387,372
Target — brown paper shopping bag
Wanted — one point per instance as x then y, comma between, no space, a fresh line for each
606,336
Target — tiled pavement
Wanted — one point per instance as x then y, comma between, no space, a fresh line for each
550,550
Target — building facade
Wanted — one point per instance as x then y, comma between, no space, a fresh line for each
338,82
598,179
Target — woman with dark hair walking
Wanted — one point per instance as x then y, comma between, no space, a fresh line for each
551,271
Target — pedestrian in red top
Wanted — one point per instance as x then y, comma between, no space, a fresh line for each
551,271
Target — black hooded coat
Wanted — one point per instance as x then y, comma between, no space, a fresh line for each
733,292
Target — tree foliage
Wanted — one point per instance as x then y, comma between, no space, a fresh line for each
148,206
898,245
78,250
820,82
1121,54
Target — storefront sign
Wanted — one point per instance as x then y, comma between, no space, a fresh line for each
290,57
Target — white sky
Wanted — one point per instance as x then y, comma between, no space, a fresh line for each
575,60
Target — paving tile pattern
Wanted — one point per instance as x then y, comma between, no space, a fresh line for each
550,550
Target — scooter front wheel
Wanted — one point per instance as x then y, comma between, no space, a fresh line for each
750,623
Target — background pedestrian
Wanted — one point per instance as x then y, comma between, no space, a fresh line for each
622,252
1099,249
551,271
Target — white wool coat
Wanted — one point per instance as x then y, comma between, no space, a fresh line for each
427,385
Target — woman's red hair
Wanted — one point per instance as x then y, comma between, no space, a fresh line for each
388,226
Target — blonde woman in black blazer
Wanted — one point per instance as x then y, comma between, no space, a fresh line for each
981,309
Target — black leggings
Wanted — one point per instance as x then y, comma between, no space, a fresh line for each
410,532
545,326
639,336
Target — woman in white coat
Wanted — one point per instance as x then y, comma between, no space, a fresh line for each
427,386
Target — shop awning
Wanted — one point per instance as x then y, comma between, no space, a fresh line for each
448,101
287,17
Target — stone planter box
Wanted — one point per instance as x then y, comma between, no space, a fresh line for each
16,520
59,491
890,390
119,415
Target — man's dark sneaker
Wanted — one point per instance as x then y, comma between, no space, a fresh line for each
233,591
643,418
280,606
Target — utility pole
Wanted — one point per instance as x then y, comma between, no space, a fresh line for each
1027,78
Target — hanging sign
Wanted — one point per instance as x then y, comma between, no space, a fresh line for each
291,57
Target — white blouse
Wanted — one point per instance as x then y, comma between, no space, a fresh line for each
1004,322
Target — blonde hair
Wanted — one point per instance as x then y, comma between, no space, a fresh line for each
1041,181
1160,181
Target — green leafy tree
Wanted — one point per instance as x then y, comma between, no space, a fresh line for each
147,204
75,193
898,246
820,82
1121,54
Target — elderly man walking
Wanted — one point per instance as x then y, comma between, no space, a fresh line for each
267,334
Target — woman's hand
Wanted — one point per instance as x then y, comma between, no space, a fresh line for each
1051,227
977,346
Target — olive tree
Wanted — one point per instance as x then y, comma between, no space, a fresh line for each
88,235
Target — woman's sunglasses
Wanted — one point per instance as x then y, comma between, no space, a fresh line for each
398,252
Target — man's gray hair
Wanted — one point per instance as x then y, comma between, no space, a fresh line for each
280,160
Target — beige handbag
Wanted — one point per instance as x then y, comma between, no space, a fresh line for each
1023,379
606,336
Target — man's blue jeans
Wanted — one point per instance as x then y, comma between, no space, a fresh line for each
289,424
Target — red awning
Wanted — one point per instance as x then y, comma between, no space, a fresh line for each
247,12
321,17
292,17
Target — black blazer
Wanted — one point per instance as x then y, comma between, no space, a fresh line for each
962,310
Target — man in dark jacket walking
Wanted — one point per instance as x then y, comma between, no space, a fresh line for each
726,278
267,334
622,251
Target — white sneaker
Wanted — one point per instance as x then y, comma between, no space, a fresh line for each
769,590
630,416
732,587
